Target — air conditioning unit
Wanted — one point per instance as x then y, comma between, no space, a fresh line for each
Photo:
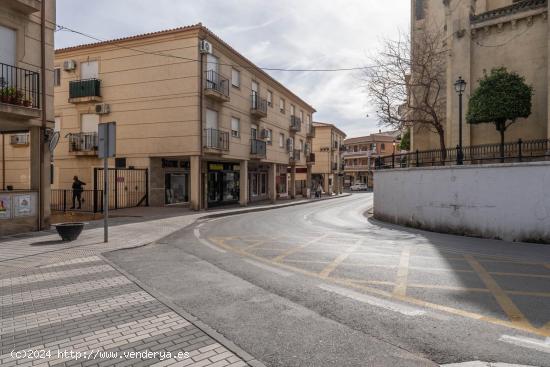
205,47
265,134
69,65
102,108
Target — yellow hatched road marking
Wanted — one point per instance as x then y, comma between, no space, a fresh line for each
455,311
402,272
511,310
298,248
340,259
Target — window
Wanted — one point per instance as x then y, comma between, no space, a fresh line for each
89,70
57,77
254,131
292,110
211,119
120,162
419,9
281,140
382,146
89,122
301,145
57,125
270,98
282,105
269,137
235,78
235,127
7,46
302,116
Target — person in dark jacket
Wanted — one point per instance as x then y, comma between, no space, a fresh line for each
77,191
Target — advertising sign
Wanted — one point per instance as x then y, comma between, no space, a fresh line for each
23,205
5,206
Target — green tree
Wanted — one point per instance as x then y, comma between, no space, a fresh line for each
405,140
501,98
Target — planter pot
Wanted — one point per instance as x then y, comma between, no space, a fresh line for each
69,231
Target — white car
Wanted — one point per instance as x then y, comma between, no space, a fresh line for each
359,187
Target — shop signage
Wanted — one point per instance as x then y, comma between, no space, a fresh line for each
215,167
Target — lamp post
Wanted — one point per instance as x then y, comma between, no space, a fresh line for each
460,87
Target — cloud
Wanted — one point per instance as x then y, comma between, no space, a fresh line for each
302,34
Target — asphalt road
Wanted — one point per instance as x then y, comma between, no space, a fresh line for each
322,285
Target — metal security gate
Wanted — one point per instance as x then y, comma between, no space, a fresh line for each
127,187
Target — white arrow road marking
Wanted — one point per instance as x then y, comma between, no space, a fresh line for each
374,301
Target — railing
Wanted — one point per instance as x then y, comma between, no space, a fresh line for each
63,200
216,139
334,166
295,155
216,82
82,142
258,104
310,158
19,86
356,167
84,88
258,147
295,123
529,150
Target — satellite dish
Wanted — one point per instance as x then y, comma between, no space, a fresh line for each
54,139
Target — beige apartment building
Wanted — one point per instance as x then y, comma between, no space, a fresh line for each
480,35
197,123
327,147
361,152
26,113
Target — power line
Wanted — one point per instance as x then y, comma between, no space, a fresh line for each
64,28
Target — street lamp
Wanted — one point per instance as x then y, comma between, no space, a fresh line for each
460,87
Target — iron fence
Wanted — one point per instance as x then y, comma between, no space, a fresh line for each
83,142
63,200
258,103
84,88
258,148
520,151
216,82
128,187
19,86
295,123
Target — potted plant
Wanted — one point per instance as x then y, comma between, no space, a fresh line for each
6,94
27,102
69,231
16,97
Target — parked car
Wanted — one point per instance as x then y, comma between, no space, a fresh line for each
359,187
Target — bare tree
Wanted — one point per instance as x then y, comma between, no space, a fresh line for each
407,83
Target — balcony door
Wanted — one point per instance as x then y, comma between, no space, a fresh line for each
254,131
7,46
88,127
89,70
212,65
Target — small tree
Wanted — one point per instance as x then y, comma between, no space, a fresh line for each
501,98
405,140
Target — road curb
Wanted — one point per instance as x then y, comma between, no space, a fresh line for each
238,351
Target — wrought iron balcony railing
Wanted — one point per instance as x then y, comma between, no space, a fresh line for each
258,105
83,142
294,155
216,83
216,139
19,86
295,123
84,88
258,148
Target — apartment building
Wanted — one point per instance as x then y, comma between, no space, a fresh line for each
480,35
327,147
361,152
26,113
197,123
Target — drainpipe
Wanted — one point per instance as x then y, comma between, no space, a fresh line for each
43,125
201,92
3,162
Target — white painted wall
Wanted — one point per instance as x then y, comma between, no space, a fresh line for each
505,201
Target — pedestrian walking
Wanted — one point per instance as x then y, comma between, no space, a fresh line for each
77,192
318,191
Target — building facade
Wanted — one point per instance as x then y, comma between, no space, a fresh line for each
361,152
26,113
480,35
327,147
207,125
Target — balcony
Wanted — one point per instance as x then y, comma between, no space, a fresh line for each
83,143
85,90
258,106
310,158
24,6
295,124
216,86
334,166
258,149
19,92
294,156
215,141
310,133
356,167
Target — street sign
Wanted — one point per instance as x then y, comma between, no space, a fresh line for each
107,140
106,148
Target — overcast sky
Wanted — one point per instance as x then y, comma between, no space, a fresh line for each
304,34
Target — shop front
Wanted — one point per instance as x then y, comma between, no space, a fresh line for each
258,182
176,181
282,182
222,183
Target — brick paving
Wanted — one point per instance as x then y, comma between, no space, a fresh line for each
82,312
